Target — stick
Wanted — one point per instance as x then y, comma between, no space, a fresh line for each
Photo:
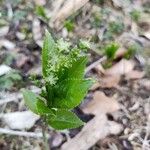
94,64
21,133
98,128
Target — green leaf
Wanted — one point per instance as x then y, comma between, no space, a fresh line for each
71,87
43,109
64,119
75,71
69,25
110,50
31,100
48,47
40,11
71,92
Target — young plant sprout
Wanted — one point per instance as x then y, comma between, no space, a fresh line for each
64,84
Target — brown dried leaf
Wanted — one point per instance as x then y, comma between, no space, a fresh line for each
37,33
134,74
4,30
144,83
69,8
40,2
101,104
21,60
122,67
95,86
110,81
120,52
99,69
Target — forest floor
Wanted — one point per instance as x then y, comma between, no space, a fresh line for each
119,100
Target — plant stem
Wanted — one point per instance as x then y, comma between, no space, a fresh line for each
45,140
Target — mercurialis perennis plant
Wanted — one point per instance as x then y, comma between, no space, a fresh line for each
64,83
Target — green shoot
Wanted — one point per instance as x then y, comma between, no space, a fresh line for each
69,25
40,11
135,15
9,79
110,50
116,27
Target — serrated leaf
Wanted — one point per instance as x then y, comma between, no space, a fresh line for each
64,119
71,87
48,46
31,100
76,70
71,93
43,109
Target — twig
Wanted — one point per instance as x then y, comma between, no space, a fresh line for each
21,133
94,64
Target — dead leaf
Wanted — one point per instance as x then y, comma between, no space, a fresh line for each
134,74
99,68
144,83
95,86
120,4
110,81
101,104
7,44
37,33
4,30
69,8
20,120
57,139
122,67
147,35
20,35
4,69
21,60
120,52
135,106
40,2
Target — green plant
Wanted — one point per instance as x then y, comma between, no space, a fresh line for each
64,84
135,15
40,11
19,15
116,27
110,51
98,1
96,19
84,44
69,24
9,79
132,50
